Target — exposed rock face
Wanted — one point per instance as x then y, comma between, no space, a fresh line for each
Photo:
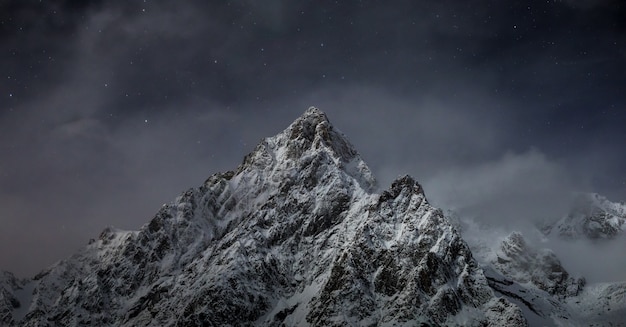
525,264
592,217
536,281
295,236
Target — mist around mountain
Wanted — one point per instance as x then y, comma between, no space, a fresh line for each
301,234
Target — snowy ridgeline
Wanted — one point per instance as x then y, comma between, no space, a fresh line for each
298,236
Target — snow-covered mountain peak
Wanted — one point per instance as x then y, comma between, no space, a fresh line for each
314,126
404,183
592,216
296,236
539,267
310,141
594,201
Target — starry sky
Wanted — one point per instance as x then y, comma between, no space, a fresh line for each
108,109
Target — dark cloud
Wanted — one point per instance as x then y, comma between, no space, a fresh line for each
108,110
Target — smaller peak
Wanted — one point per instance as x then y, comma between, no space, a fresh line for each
314,130
515,238
313,117
310,134
585,202
314,112
307,125
405,182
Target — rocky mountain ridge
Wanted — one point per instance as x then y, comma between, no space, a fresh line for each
297,235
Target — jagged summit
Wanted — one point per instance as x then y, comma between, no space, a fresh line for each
314,129
539,267
309,140
400,184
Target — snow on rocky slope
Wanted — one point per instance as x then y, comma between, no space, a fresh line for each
539,267
533,277
592,217
295,236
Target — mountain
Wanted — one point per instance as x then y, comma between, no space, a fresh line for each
296,236
540,267
300,235
533,277
592,217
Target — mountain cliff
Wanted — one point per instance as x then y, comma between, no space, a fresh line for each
295,236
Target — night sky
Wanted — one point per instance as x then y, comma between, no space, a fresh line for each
108,109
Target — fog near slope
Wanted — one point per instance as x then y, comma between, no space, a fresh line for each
515,191
597,261
461,151
519,192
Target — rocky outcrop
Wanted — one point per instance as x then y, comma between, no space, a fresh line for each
540,267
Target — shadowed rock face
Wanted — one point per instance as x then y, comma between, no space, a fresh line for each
294,236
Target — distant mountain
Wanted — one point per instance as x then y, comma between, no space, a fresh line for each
298,235
533,277
539,267
592,217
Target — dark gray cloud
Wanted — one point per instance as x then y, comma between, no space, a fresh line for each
108,110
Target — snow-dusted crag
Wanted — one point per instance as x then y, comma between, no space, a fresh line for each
592,217
539,267
296,236
535,280
530,275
